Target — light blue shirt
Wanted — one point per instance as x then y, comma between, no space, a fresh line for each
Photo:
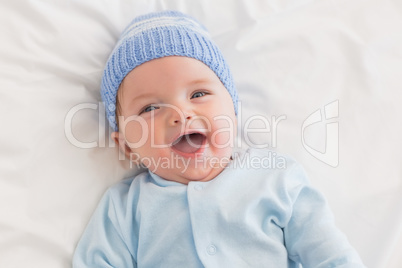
248,216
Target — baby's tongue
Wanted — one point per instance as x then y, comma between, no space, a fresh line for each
189,143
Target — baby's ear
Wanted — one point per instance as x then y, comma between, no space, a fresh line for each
121,142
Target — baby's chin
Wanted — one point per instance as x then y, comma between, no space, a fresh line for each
202,168
190,174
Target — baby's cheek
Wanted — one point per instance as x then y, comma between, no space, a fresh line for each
224,135
136,131
223,140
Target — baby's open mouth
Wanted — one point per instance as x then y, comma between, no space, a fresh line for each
189,143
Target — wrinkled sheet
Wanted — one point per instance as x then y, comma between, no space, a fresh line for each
318,80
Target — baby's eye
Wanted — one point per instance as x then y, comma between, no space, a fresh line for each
149,108
198,94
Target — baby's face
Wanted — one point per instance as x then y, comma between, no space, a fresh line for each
177,118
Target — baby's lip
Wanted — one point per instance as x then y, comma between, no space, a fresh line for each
194,150
187,132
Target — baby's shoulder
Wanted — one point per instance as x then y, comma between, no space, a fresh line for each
268,167
126,190
263,160
125,184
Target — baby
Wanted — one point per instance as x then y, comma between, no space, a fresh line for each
171,101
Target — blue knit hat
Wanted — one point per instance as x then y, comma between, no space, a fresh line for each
157,35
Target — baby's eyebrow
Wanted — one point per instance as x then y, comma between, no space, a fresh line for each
141,96
200,81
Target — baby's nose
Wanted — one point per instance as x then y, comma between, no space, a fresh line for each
179,113
180,117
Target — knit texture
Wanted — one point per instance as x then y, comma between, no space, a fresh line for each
157,35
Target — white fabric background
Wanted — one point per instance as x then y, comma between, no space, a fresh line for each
289,58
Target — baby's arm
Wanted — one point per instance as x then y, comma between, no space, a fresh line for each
311,236
102,244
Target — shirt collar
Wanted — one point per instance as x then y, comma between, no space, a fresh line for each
162,182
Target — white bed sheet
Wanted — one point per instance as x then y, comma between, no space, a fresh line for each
289,59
